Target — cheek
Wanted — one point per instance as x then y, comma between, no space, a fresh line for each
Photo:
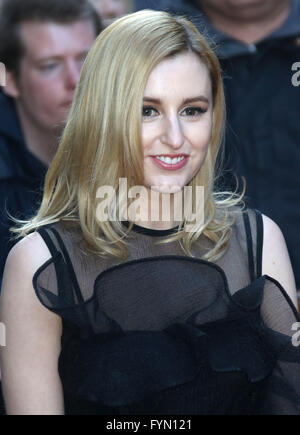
44,104
48,95
201,140
207,132
148,136
40,89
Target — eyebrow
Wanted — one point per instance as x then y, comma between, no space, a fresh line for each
185,101
58,56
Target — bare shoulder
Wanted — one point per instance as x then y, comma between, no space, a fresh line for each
26,257
272,232
31,382
22,262
276,261
30,251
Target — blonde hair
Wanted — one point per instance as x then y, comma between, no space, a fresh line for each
101,142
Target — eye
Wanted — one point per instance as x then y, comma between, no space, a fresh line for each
49,67
193,111
149,111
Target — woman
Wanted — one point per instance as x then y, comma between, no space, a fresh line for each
131,303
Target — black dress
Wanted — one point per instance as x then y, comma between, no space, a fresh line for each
163,333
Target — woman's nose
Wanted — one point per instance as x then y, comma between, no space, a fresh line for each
172,134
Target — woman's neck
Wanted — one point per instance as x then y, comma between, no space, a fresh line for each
156,211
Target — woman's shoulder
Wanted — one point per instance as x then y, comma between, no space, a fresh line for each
29,253
266,247
275,259
32,252
271,229
18,296
247,225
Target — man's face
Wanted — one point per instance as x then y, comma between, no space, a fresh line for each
110,10
243,9
50,69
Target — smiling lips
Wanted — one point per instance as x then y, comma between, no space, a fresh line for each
170,162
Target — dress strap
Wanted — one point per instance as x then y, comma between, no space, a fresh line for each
64,286
56,247
53,251
254,261
47,239
69,264
249,241
259,241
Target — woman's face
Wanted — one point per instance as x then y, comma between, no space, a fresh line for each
176,123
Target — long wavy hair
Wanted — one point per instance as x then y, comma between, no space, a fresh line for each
101,142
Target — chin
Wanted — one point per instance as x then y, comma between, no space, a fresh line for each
166,184
167,189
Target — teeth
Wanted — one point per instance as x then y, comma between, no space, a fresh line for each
170,161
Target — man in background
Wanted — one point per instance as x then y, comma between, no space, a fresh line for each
110,10
43,45
258,44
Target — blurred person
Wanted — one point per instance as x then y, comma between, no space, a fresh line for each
43,45
109,10
136,311
258,42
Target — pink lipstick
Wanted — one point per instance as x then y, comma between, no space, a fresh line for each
170,162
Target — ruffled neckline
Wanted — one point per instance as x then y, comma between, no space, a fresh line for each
117,351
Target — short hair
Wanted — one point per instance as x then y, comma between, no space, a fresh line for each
15,12
102,143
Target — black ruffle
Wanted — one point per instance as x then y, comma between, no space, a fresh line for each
120,370
110,360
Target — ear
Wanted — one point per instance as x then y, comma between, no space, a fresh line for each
11,88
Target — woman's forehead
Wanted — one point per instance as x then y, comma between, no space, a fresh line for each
184,74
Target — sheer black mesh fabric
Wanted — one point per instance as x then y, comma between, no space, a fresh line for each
164,333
